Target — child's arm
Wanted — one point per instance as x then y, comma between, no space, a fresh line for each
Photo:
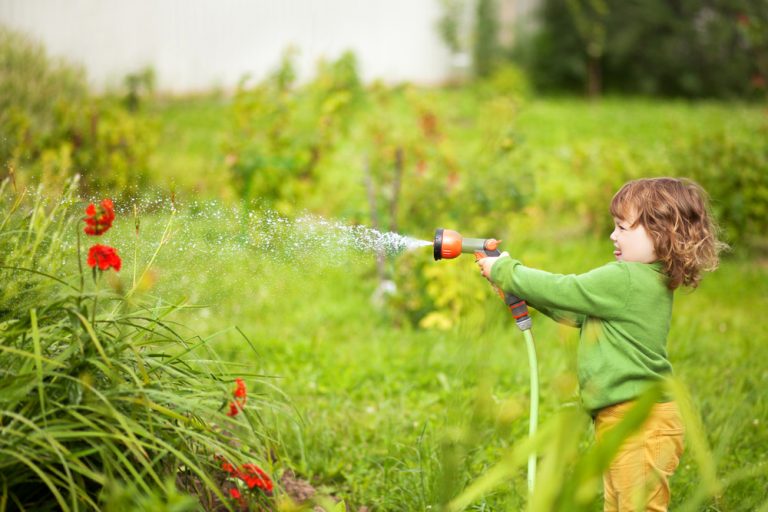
602,292
560,316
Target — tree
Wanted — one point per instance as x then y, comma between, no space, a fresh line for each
487,49
688,48
589,18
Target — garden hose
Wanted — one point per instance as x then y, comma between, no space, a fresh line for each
449,244
534,416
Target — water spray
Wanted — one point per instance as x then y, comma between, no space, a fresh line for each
449,244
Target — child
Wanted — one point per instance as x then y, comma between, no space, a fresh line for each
664,237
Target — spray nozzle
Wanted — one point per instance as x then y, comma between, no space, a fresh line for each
450,244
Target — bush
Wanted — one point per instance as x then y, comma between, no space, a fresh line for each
52,127
282,132
102,402
441,152
733,168
37,93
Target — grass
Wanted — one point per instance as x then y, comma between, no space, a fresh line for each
399,418
383,413
376,403
403,418
190,147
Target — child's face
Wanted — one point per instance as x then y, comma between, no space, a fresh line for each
632,243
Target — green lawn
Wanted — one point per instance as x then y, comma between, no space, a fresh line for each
399,418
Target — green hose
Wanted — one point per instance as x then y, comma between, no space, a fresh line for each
534,417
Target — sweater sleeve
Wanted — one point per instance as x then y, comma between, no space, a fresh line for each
560,316
601,293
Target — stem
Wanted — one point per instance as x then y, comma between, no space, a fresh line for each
80,268
95,302
163,240
79,261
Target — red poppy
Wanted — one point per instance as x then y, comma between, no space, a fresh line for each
234,493
99,218
234,409
228,467
254,476
103,256
239,388
240,395
251,474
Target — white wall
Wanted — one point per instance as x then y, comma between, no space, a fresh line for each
197,44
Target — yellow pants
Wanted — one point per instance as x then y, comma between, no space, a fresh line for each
638,477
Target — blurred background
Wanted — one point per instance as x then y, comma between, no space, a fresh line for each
499,118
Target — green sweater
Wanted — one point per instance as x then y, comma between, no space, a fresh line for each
623,311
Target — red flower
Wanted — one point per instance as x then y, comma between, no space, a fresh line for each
251,474
99,218
240,395
228,467
239,388
103,256
254,476
233,409
234,493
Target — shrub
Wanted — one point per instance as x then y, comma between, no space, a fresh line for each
98,389
52,127
111,148
282,132
37,93
439,186
733,168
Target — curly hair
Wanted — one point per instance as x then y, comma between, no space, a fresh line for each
675,213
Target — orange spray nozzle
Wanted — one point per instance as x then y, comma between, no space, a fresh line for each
450,244
447,244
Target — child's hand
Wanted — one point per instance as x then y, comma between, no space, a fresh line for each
486,264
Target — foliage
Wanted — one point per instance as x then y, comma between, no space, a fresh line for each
472,28
421,167
734,169
111,148
98,387
449,25
506,80
52,127
486,50
714,48
412,153
589,19
587,151
36,93
282,132
140,85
